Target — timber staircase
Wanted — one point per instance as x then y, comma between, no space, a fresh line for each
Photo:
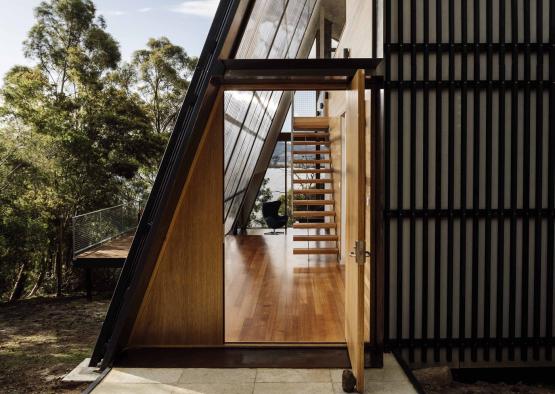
312,173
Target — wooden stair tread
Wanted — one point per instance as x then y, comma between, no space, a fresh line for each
312,152
300,143
313,191
313,214
310,135
314,225
298,170
311,123
315,181
315,238
320,161
313,202
313,170
315,250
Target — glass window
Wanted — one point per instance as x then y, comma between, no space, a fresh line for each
275,30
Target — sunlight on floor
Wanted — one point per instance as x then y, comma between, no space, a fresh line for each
272,295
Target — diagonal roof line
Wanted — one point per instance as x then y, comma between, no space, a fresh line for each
227,27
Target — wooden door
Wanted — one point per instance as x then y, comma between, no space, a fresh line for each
356,203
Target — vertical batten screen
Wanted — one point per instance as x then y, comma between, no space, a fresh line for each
469,148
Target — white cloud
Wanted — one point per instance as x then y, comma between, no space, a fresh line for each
114,13
146,9
197,7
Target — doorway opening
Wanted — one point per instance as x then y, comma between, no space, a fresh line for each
269,297
286,284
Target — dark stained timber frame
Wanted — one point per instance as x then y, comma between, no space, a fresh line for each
294,74
469,174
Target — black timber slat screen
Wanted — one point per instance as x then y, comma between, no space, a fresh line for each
469,151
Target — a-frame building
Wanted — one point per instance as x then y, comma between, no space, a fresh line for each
454,154
170,294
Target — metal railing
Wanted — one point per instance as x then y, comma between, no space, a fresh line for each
94,228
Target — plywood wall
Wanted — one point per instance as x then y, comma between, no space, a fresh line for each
358,29
355,37
337,124
183,304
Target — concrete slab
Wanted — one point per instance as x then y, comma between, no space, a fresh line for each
144,375
134,388
389,380
275,375
214,388
82,373
293,388
217,375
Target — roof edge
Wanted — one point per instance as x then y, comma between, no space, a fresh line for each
221,42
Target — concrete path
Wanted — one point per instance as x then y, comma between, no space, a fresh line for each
389,380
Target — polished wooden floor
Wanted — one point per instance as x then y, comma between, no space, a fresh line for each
272,295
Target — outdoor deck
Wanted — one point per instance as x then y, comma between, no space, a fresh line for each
110,254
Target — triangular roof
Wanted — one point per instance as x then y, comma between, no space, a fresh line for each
230,36
221,43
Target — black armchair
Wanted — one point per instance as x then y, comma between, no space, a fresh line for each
271,216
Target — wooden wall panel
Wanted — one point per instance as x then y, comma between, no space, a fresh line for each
358,29
183,304
355,37
356,227
335,138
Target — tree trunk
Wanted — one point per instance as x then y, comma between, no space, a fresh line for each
59,258
19,286
40,278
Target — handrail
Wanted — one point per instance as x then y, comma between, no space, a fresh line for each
98,210
94,228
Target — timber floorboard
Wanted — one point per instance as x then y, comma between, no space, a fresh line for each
273,296
117,248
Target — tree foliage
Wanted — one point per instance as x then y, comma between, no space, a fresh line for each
79,131
264,195
71,44
163,71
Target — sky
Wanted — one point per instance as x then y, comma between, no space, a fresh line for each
131,23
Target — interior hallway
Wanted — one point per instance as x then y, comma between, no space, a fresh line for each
272,295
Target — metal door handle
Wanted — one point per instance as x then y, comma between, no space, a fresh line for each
360,253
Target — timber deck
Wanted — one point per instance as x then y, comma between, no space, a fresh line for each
111,253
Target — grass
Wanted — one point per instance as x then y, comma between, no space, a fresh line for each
43,339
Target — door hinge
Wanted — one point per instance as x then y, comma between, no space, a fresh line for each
360,253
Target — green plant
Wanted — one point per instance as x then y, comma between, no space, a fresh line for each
264,195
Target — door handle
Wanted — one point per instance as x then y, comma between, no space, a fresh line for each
360,253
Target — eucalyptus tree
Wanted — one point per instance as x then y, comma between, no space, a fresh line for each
71,45
163,73
96,131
